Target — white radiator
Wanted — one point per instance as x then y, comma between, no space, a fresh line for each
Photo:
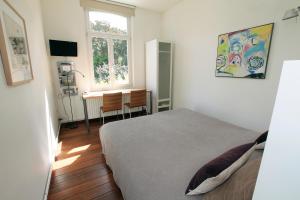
93,107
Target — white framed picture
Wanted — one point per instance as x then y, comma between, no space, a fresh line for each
14,46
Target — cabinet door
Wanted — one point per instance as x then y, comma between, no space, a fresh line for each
164,70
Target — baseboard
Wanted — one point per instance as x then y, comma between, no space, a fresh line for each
48,183
50,168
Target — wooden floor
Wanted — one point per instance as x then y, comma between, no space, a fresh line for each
80,171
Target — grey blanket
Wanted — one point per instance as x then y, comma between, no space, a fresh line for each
154,157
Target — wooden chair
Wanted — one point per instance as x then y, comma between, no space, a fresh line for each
111,102
138,98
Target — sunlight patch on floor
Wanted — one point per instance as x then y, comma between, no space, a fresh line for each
65,162
78,149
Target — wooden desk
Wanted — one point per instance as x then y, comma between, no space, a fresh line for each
98,95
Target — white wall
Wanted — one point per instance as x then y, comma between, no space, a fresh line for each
28,118
194,27
146,26
278,175
65,20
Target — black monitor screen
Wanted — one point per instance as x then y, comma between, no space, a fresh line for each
63,48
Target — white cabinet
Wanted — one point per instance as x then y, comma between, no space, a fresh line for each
159,73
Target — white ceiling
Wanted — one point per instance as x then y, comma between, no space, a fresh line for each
155,5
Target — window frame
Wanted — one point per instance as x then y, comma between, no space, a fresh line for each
109,37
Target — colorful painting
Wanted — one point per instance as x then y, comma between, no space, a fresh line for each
244,54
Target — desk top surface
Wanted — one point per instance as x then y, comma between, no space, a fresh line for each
99,94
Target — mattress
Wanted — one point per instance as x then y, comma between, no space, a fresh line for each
154,157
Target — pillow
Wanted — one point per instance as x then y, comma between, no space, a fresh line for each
219,170
241,184
261,140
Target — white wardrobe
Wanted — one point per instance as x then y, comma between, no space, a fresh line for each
159,73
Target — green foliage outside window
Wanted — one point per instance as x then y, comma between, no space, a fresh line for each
120,58
100,54
100,60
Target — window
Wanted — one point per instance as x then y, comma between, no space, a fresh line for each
109,40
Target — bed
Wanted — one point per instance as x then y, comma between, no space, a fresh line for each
154,157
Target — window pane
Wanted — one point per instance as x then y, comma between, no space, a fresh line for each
100,60
108,23
120,61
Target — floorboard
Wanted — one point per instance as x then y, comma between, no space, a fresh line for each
79,171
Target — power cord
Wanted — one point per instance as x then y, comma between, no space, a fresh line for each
61,97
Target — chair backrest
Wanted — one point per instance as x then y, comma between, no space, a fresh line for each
138,98
112,102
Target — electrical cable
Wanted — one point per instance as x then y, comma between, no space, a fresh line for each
69,94
64,107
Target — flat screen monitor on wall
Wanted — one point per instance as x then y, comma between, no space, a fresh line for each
63,48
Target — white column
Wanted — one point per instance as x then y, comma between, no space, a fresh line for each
279,173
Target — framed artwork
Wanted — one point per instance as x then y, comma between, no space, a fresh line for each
14,49
244,53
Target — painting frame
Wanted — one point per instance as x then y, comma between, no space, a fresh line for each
14,47
266,56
